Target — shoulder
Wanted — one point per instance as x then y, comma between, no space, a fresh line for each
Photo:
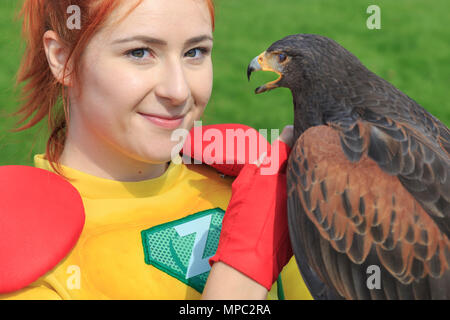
42,219
209,175
208,184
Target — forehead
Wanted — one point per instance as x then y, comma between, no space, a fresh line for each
186,17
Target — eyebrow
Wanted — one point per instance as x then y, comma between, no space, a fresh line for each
151,40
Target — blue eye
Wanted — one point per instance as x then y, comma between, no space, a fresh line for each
192,53
196,52
139,53
282,57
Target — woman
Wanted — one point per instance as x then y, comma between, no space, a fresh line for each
130,73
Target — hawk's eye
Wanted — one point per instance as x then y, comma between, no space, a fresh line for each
282,57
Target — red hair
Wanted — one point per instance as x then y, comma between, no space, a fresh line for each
43,95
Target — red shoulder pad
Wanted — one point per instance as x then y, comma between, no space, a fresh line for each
41,218
226,147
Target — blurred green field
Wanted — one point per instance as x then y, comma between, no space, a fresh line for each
411,51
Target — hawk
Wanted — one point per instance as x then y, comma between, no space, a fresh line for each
368,177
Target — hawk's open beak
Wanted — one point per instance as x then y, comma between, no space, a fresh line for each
263,63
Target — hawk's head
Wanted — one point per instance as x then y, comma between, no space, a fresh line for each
303,60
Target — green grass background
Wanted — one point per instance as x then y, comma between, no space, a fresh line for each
411,51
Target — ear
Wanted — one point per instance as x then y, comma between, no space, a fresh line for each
57,55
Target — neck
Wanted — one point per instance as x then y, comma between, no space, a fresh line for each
83,153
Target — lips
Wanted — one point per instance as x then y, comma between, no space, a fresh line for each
166,122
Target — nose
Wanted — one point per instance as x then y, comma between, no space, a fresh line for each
173,86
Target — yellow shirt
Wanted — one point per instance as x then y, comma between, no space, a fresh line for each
146,240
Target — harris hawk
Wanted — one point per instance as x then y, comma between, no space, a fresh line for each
368,177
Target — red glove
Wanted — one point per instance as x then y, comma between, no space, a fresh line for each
226,147
255,237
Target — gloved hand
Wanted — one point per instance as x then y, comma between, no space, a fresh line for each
255,237
226,147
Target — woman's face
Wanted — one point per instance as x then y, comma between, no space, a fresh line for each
152,66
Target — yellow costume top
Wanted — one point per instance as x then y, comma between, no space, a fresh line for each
146,240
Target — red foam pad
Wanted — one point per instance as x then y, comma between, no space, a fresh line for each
41,219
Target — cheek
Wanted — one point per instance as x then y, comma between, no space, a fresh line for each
110,88
201,85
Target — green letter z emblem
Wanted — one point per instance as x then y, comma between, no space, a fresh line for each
182,248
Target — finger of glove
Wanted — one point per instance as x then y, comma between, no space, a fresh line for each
287,135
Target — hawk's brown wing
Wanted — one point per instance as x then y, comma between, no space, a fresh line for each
411,145
345,217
